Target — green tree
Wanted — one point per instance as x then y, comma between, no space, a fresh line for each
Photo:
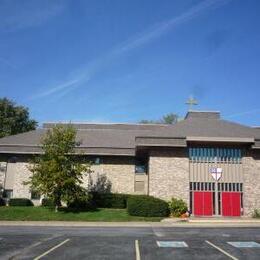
58,172
168,119
145,121
14,119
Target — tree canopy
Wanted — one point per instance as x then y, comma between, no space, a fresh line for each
58,173
168,119
14,119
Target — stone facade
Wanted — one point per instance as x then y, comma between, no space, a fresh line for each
251,192
21,175
116,171
169,174
121,172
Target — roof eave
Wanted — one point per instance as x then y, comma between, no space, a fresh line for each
220,139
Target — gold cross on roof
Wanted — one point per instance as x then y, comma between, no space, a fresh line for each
191,102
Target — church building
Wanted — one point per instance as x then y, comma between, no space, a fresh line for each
210,163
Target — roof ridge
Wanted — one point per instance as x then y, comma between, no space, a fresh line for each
92,123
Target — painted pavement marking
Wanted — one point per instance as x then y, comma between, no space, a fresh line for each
159,234
52,249
225,235
175,244
137,250
244,244
221,250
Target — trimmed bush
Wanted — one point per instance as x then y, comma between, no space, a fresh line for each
46,202
20,202
256,213
147,206
82,204
177,207
110,200
2,202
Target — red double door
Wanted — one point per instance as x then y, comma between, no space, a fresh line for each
231,204
203,203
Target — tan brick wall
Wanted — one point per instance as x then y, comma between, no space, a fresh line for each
251,193
96,170
21,174
121,172
169,174
118,170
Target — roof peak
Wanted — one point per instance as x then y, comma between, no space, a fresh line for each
203,114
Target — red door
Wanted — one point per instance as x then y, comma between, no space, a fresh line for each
203,203
231,204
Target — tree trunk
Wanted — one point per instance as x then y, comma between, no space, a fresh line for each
57,202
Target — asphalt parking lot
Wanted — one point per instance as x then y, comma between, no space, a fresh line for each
128,243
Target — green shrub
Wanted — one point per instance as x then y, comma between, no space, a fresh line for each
2,202
82,204
177,207
256,213
110,200
147,206
46,202
20,202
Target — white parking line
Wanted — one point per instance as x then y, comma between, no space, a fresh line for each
221,250
137,250
50,250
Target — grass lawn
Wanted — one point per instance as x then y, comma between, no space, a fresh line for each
45,214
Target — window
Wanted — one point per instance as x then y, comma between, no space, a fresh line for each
35,195
8,194
140,167
202,186
210,154
12,160
97,160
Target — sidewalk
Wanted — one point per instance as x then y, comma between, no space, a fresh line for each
168,222
218,222
224,220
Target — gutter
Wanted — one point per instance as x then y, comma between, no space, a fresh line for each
220,139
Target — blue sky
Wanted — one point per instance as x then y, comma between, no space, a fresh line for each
127,60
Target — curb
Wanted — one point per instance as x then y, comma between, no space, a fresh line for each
182,224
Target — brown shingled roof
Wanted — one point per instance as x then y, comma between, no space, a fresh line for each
121,138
